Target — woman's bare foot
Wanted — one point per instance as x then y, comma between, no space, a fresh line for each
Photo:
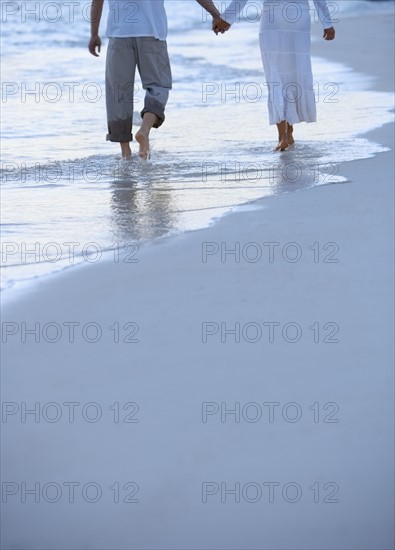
143,140
282,144
282,136
126,151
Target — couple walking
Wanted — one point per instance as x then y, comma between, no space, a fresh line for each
137,34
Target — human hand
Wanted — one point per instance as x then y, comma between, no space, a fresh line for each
220,26
329,34
94,43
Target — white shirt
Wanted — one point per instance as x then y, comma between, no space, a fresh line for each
129,18
236,6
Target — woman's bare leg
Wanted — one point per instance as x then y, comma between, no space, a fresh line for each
282,136
291,139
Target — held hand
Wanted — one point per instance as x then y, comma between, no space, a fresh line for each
94,43
220,26
329,34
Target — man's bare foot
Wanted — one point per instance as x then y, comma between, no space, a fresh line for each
126,151
143,140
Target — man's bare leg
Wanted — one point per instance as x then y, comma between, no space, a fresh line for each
282,136
126,151
142,136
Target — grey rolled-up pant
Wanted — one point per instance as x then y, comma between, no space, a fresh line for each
150,57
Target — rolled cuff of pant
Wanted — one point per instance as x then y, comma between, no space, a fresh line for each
156,108
119,138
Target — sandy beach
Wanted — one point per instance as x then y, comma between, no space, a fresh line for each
207,399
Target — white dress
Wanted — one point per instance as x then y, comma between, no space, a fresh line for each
285,39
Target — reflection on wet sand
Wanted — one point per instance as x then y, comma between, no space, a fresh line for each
139,213
146,206
137,201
